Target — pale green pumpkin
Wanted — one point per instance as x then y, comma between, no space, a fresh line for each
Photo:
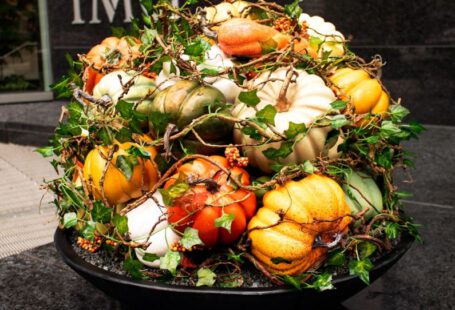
362,192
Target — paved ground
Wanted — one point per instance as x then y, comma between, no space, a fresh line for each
423,279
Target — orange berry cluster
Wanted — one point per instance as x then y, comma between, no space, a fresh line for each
284,24
111,242
233,157
89,245
178,247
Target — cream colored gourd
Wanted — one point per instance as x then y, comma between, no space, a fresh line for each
142,87
308,97
225,10
215,59
325,31
141,221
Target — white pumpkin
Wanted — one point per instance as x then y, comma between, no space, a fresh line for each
141,221
110,86
308,97
225,10
215,59
319,28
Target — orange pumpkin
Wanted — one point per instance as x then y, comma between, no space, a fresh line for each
112,53
117,187
314,206
211,195
247,38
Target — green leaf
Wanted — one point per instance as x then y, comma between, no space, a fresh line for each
197,48
69,219
308,167
361,268
295,129
389,129
103,134
366,249
100,213
133,267
250,98
170,261
322,282
88,232
372,139
294,281
118,31
126,165
336,258
125,109
138,151
190,238
339,121
150,257
252,132
123,135
398,112
225,221
235,257
392,230
46,151
159,121
279,260
121,223
206,277
384,159
293,10
230,280
176,190
316,41
285,149
267,114
339,105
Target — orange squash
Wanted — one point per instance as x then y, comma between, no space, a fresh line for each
201,205
112,53
247,38
117,188
314,206
364,92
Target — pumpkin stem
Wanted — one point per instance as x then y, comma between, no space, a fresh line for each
318,243
282,103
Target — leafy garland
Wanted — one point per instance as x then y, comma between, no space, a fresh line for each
165,34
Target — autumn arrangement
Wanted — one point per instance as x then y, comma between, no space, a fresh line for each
210,140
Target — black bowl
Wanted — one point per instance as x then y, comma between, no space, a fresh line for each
141,293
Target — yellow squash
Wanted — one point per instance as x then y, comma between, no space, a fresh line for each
117,188
312,207
365,93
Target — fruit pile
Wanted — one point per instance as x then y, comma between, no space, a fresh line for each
210,138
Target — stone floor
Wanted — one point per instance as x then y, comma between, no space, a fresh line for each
423,279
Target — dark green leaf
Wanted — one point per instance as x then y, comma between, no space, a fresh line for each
252,132
295,129
293,10
125,109
279,260
88,232
292,281
250,98
118,31
126,165
366,249
372,139
285,149
123,135
197,48
205,277
150,257
138,151
361,268
104,135
121,223
100,213
69,219
384,159
398,112
159,121
46,151
339,105
336,258
392,230
339,121
267,114
190,238
133,267
170,261
225,221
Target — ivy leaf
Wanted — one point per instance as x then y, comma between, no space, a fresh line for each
366,249
235,257
336,258
389,129
384,158
121,223
267,114
123,135
294,281
391,230
322,282
279,260
197,48
170,261
46,151
361,268
285,149
372,139
176,190
339,121
225,221
231,280
398,112
250,98
190,238
293,10
339,105
295,129
150,257
205,277
133,267
126,165
308,167
315,41
252,132
89,230
125,109
100,213
104,135
138,151
159,121
69,219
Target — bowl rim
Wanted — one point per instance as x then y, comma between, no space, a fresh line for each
65,249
